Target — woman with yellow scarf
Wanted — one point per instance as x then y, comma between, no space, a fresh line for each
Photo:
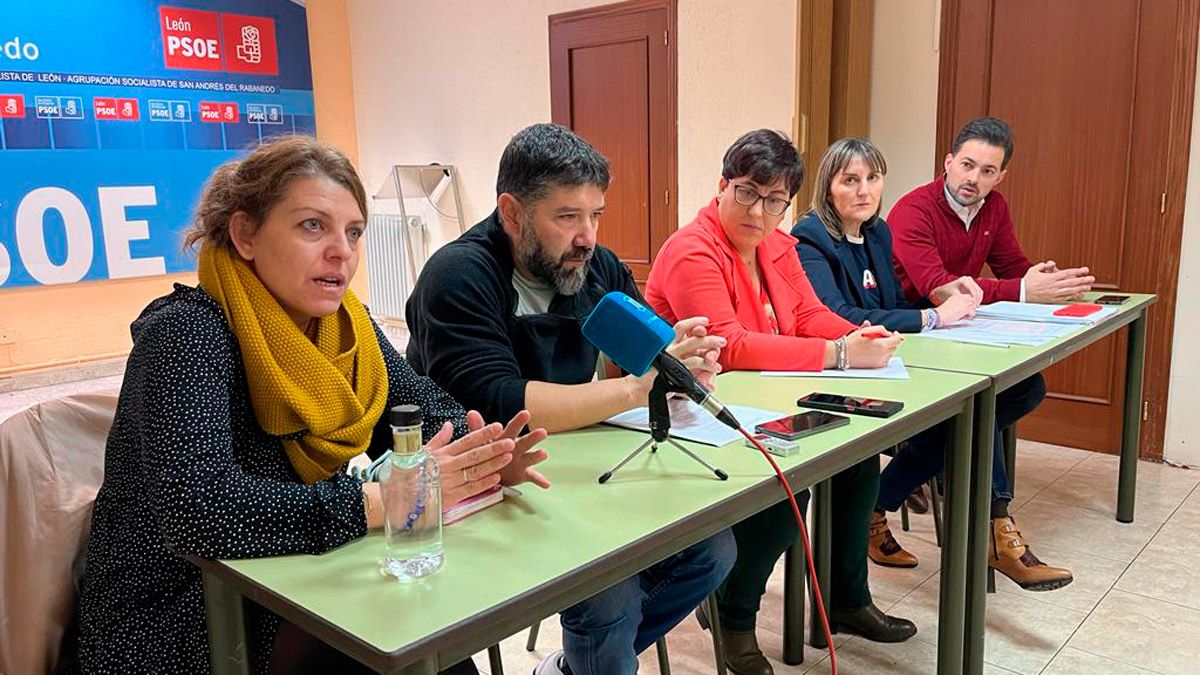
242,402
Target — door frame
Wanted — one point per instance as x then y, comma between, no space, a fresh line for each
834,40
953,101
665,98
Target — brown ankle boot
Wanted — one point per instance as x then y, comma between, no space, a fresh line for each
742,655
1010,556
882,547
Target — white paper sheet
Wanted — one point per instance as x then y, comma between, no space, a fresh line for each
894,370
691,422
1002,332
1026,311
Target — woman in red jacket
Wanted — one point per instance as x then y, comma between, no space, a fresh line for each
734,266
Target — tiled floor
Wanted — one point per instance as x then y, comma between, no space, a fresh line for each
1134,606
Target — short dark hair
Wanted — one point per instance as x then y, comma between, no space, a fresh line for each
990,130
764,156
542,157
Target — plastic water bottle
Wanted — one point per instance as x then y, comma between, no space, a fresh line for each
411,486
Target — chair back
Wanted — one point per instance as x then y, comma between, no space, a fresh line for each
51,467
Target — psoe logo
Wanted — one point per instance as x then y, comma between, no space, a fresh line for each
17,49
191,38
201,40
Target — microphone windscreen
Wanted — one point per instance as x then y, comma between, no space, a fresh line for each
627,332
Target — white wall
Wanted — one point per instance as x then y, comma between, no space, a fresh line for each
449,81
904,85
737,72
1183,425
452,80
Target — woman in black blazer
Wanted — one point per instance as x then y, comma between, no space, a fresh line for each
846,249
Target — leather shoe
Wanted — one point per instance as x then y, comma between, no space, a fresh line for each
742,653
872,624
917,502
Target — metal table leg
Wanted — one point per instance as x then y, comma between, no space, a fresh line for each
981,508
1008,439
957,498
1131,428
714,627
227,651
664,662
495,661
1009,434
795,567
822,505
531,642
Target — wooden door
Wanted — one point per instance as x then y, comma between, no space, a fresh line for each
1099,94
612,80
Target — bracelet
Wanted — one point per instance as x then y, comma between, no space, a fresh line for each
841,360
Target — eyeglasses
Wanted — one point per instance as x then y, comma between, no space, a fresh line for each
748,197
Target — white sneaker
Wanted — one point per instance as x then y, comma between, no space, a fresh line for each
555,664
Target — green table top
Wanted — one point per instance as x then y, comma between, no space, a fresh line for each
538,553
1015,362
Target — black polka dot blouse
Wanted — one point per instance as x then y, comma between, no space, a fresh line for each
188,470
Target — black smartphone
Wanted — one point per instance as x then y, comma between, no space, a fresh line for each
1111,299
801,425
873,407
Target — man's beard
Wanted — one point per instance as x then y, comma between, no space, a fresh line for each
959,198
545,268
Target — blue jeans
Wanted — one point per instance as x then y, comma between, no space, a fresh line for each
604,634
925,455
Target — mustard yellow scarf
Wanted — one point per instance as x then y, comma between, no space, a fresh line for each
334,387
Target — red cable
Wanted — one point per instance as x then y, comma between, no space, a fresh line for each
812,569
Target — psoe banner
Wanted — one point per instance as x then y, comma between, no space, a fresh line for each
113,114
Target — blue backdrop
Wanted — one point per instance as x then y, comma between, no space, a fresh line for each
104,148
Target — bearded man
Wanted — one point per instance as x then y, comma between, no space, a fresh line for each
495,319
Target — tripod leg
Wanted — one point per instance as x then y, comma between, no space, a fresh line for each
719,473
608,474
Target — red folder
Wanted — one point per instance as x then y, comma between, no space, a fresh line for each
1078,309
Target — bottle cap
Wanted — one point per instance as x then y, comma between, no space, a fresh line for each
405,416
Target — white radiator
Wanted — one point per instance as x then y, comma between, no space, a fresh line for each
390,274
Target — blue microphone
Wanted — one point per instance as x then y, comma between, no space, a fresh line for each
635,339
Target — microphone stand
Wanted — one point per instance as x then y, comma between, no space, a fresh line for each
660,430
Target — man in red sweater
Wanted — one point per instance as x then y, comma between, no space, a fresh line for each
943,233
946,230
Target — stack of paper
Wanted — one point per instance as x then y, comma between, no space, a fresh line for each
1002,332
691,422
894,370
1024,311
